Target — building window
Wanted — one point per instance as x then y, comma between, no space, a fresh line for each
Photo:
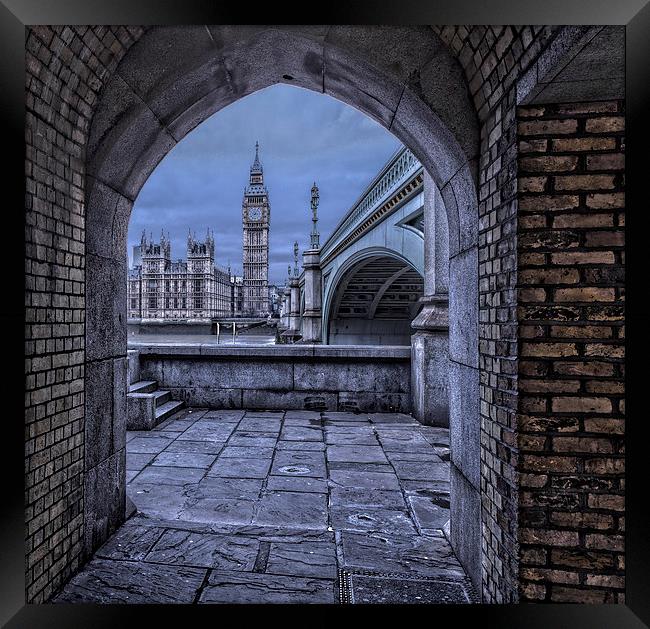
197,286
134,303
198,303
152,302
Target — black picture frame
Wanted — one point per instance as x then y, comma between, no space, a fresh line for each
15,14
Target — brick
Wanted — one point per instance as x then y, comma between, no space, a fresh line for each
606,124
549,349
548,202
607,161
606,201
581,405
591,293
532,184
570,145
549,537
583,257
584,182
548,163
547,127
583,221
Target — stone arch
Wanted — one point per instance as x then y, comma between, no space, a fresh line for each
173,78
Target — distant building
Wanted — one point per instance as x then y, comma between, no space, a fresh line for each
276,295
193,289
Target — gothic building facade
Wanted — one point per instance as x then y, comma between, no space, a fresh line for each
192,289
256,219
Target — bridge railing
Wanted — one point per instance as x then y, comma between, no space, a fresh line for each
402,166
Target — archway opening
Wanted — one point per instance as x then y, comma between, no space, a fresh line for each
128,138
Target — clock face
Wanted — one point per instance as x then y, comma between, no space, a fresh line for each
255,213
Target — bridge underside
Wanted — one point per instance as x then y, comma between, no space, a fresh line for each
375,303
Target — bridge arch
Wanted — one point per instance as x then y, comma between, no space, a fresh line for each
373,272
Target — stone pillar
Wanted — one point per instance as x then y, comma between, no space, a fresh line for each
294,316
286,307
312,317
430,341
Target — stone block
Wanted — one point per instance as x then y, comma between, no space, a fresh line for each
126,140
295,400
98,412
360,84
104,500
357,376
119,403
105,308
368,401
465,421
465,527
463,308
140,411
430,377
133,366
207,397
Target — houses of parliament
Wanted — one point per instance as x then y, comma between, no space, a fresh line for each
196,288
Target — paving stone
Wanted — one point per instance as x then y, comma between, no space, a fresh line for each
356,454
305,559
130,542
336,416
298,463
392,418
188,548
259,424
427,555
300,414
371,480
220,487
252,587
172,426
421,470
224,416
137,462
430,512
109,581
151,445
158,500
361,518
184,459
130,475
354,496
252,442
297,483
218,510
297,509
301,433
381,468
170,475
230,452
198,432
426,488
197,447
240,468
304,422
430,457
350,439
305,446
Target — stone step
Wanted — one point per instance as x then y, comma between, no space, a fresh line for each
167,409
143,386
161,397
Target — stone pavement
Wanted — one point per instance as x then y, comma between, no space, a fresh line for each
281,507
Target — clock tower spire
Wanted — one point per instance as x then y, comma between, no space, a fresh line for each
256,219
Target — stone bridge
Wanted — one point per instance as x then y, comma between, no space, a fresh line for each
371,267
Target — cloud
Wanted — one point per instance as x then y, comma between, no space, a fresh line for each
304,137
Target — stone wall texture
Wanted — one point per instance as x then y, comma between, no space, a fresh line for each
66,68
571,352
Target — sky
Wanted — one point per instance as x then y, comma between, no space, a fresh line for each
304,137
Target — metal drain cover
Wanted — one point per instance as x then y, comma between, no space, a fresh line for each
362,587
295,469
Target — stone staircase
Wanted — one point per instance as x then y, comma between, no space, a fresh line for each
147,406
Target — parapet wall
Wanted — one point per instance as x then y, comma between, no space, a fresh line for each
319,377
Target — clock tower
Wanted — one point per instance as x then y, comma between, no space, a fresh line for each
256,218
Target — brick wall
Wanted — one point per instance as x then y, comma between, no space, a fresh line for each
493,58
65,70
571,351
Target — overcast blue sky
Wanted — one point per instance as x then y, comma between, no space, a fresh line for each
304,137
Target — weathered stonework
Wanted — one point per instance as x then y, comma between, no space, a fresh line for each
67,68
571,352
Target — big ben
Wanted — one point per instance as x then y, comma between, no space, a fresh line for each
256,218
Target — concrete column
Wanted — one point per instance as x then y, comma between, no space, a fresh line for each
294,317
430,341
312,317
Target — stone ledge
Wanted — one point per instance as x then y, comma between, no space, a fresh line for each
357,352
